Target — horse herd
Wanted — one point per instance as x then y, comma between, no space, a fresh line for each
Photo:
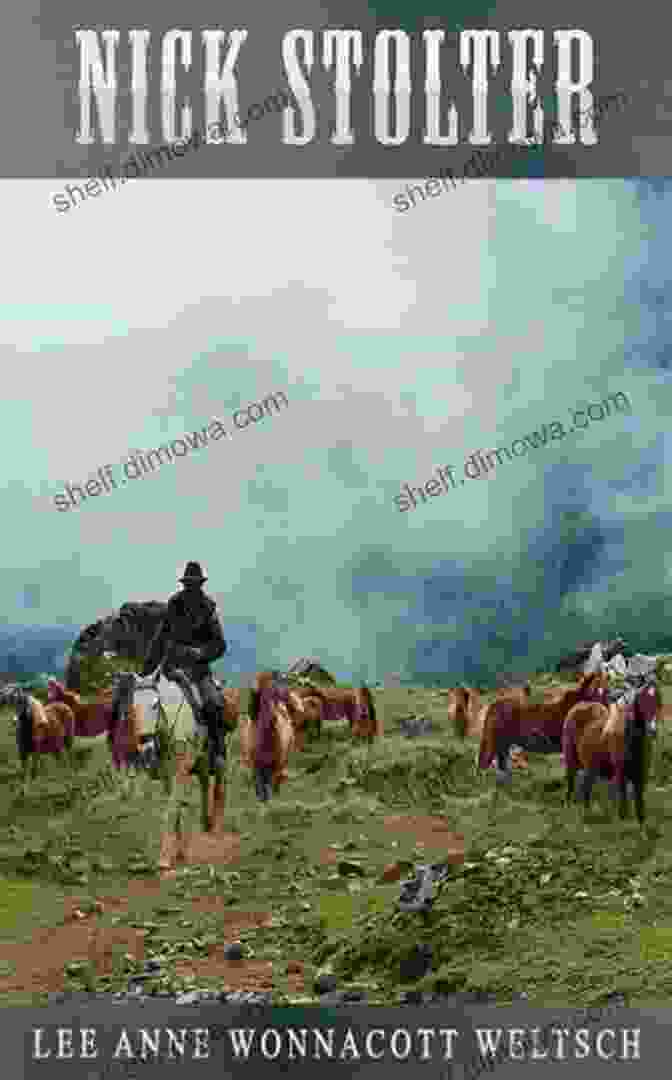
297,714
598,738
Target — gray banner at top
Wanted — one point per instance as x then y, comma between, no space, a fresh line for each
176,90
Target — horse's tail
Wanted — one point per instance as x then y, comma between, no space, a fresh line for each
24,732
488,745
460,711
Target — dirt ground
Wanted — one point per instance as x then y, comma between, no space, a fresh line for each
430,832
39,965
216,849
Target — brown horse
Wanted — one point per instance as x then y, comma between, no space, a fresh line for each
466,711
611,743
310,720
512,721
337,703
276,704
102,717
357,706
40,729
462,703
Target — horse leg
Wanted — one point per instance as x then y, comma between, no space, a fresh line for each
623,806
218,796
69,752
501,773
639,802
25,766
201,770
586,782
571,786
206,820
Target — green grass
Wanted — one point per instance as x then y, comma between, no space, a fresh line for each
567,910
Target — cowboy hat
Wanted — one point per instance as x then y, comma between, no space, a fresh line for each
193,572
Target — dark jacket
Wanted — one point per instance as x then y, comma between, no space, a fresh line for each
199,628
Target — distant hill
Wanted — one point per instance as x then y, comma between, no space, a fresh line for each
27,651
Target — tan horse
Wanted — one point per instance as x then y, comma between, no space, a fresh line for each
464,706
467,711
283,705
310,720
613,742
40,729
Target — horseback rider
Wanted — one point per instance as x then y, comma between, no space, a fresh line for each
190,638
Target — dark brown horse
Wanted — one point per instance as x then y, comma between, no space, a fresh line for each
537,728
611,743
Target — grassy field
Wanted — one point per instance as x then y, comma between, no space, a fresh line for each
566,911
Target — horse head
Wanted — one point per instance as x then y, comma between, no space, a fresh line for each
55,690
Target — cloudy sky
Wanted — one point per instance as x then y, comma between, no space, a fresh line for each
403,341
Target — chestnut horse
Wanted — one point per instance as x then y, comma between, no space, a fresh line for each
512,721
612,743
40,729
356,706
101,717
466,712
285,707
